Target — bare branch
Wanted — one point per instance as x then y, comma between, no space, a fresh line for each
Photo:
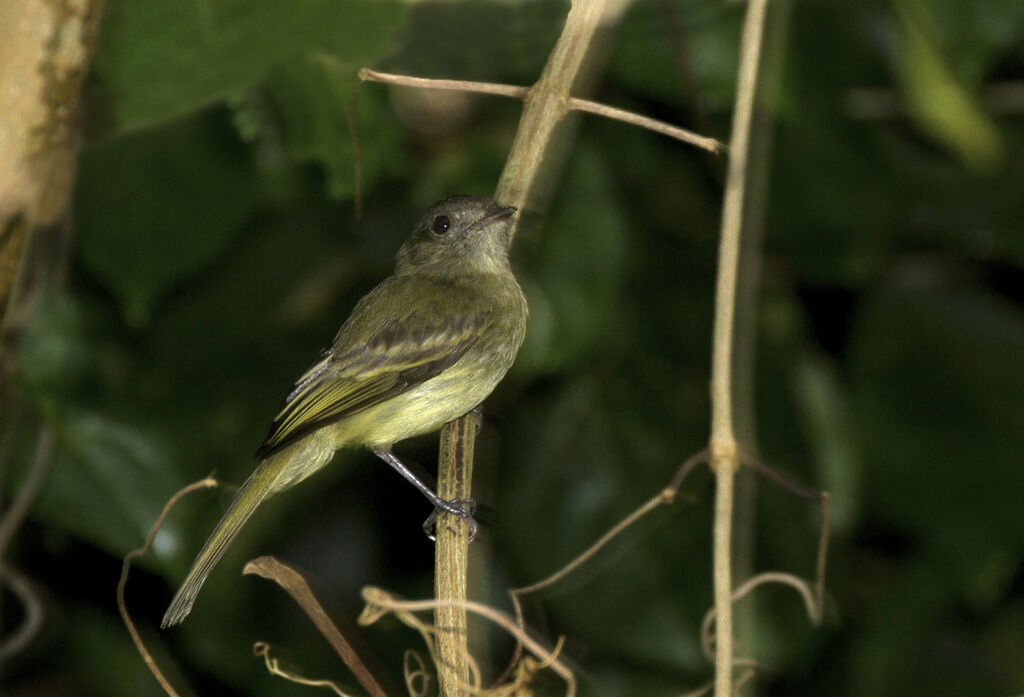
709,144
573,104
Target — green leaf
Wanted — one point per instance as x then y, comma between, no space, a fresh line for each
161,58
943,107
158,205
311,98
108,482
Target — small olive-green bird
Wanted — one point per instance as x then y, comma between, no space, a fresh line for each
424,347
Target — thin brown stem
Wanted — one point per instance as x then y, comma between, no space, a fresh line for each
126,566
293,582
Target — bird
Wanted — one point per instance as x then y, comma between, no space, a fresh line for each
422,348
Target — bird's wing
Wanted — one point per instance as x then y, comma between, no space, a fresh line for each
368,364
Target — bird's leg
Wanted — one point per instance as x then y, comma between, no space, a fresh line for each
461,507
477,413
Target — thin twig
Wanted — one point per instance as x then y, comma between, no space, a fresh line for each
666,496
261,649
379,603
812,604
293,582
126,566
18,583
439,84
824,502
21,587
573,104
29,491
723,446
704,142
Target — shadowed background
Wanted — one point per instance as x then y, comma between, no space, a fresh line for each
216,251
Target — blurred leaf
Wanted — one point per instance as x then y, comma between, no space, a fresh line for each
942,106
660,40
823,406
975,35
112,472
311,96
161,58
158,205
478,40
109,481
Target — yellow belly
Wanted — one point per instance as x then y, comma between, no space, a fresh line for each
423,409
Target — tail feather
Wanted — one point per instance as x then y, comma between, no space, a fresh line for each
259,486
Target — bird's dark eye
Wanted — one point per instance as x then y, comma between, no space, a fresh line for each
441,224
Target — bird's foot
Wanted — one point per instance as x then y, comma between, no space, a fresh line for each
463,508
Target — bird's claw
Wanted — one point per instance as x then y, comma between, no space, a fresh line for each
463,508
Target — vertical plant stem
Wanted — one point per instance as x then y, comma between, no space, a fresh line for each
451,570
723,445
544,107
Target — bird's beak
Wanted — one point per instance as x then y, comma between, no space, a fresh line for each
500,213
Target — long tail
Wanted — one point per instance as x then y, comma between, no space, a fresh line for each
261,484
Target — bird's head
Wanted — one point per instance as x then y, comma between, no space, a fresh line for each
459,234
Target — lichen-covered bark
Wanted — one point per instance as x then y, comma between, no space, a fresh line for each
44,57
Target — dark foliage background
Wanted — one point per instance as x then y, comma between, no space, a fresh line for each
216,252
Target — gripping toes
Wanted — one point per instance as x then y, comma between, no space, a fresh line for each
463,508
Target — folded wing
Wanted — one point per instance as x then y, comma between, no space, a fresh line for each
369,364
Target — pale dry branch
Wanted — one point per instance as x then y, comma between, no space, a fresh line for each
723,446
573,104
207,483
